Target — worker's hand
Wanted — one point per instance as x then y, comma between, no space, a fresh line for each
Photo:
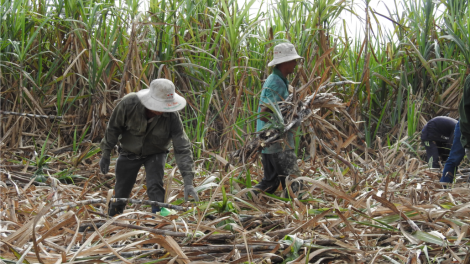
104,164
467,152
265,113
189,190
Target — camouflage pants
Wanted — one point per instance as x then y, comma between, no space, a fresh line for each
127,168
276,168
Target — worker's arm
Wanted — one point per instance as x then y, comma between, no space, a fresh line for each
182,148
432,153
115,127
183,155
464,111
269,96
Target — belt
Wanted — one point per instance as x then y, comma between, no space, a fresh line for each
130,155
133,156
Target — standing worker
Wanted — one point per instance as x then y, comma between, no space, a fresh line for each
437,136
144,123
278,159
464,129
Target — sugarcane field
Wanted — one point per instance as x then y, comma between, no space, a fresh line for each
235,131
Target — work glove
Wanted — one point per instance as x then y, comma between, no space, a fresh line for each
104,164
467,152
189,190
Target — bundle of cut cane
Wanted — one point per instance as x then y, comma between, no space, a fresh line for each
294,112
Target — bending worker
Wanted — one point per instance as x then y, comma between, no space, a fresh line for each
279,159
437,136
144,123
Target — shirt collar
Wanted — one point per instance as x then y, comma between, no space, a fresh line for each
279,73
165,114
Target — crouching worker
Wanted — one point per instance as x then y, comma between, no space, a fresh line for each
279,159
437,136
144,123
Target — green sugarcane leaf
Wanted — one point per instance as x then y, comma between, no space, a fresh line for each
425,250
17,254
376,226
423,61
295,242
201,188
426,237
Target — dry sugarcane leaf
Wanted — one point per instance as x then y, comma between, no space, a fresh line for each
339,243
90,239
220,159
111,240
53,230
348,141
15,253
171,246
316,253
335,192
23,233
310,222
97,231
395,210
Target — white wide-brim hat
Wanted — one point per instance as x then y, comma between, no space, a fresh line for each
284,52
161,97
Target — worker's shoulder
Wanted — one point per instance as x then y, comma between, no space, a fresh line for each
443,119
275,82
466,84
130,99
274,79
172,115
172,118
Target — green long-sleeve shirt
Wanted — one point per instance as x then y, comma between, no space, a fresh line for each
464,112
129,125
275,90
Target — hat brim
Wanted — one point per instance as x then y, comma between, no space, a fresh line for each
153,104
284,59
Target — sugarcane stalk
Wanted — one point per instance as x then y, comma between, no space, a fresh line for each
65,206
173,233
316,100
33,115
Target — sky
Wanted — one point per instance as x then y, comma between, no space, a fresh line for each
379,6
355,25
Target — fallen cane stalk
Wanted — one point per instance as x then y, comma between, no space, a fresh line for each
34,115
65,206
171,233
314,101
205,249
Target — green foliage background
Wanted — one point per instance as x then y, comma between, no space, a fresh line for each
78,58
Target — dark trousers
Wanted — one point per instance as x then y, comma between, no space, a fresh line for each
276,168
457,152
127,167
